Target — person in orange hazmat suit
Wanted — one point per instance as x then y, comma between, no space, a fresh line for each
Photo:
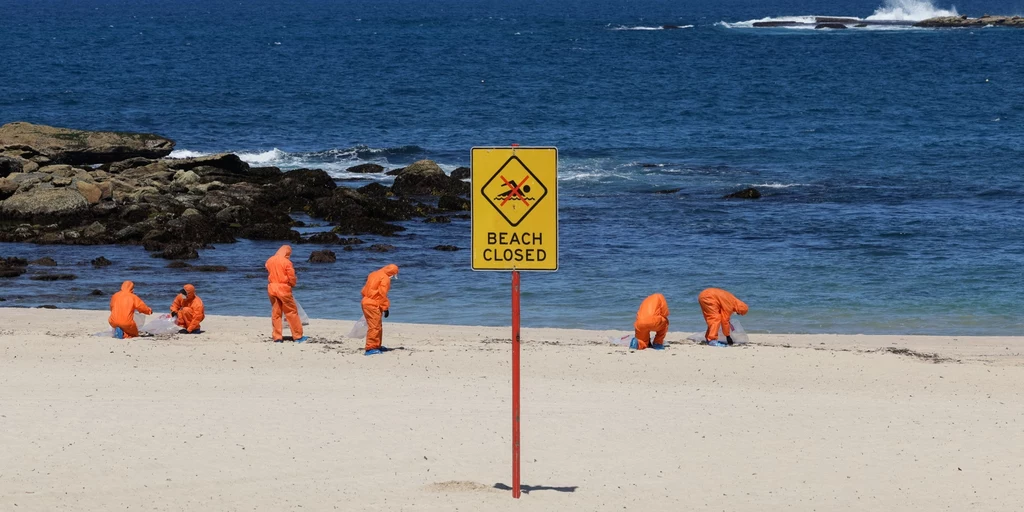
375,302
123,306
188,310
651,317
718,305
281,280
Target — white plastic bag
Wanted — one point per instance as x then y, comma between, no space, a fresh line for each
623,341
140,320
164,324
739,336
359,329
303,317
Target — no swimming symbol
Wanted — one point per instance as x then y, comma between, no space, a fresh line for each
514,191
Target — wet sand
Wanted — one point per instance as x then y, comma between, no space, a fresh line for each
228,421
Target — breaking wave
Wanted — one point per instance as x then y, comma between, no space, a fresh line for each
909,10
659,27
895,14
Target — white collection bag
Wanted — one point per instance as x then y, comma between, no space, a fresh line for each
359,329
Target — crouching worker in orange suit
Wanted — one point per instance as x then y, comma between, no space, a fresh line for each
188,310
375,302
123,306
281,281
651,317
718,305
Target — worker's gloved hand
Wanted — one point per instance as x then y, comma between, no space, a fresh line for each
728,340
387,312
174,314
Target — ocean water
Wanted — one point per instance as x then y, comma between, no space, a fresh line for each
889,158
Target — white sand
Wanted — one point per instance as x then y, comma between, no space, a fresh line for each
228,421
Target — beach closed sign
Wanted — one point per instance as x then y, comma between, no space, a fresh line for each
515,208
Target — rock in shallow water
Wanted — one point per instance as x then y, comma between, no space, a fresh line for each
324,256
747,193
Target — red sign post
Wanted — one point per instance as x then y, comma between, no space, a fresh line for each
515,384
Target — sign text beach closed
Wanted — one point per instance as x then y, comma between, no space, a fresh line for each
515,208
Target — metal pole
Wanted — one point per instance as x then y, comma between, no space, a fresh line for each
515,384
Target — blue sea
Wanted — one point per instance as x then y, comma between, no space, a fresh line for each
890,159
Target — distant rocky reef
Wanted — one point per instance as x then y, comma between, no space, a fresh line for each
832,22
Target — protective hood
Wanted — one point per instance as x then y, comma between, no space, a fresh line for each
190,291
285,251
128,286
391,270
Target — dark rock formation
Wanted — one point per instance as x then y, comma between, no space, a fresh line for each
747,193
53,277
426,178
12,267
66,146
101,262
453,204
96,293
326,238
45,261
366,169
461,173
324,256
667,191
440,219
448,248
381,248
830,26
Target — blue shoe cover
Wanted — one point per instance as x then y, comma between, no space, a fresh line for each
119,333
302,339
716,343
372,352
634,344
657,346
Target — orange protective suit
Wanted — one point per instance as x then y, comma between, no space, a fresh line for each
718,305
281,281
375,302
189,308
651,317
123,306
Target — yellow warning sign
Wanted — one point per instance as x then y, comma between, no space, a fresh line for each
515,208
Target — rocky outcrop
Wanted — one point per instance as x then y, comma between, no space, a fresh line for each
66,146
446,248
963,22
425,177
838,26
174,207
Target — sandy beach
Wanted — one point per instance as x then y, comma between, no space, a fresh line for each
229,421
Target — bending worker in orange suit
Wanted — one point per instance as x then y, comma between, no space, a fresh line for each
718,305
123,306
188,310
375,302
651,317
281,281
